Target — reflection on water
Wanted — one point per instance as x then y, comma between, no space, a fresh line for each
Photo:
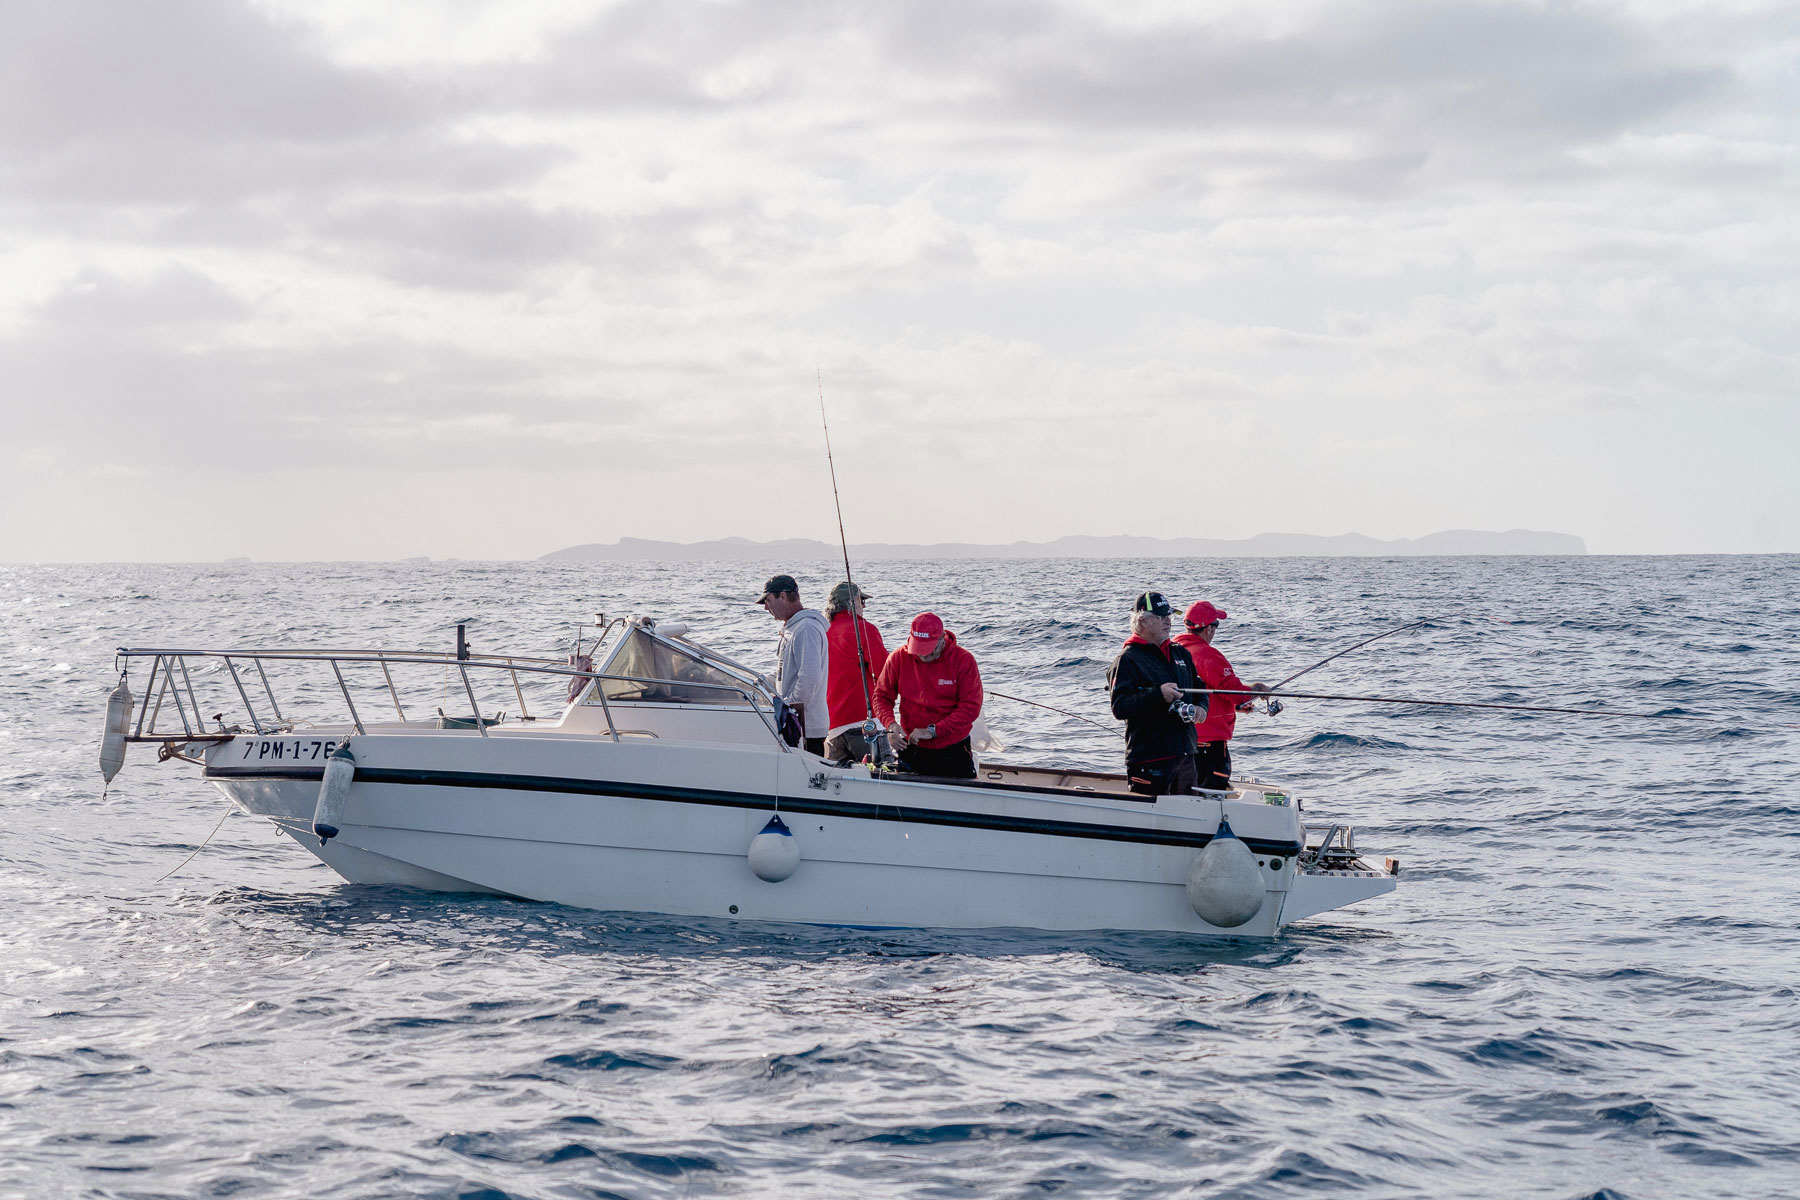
1572,994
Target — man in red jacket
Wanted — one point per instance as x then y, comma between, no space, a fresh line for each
848,690
1213,731
939,691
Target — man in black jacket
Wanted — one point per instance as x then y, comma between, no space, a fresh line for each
1147,681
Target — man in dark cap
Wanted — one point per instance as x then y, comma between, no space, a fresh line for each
1148,682
802,659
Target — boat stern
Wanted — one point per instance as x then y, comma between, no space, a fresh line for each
1331,874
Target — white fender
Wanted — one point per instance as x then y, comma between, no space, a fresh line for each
1224,885
775,852
118,724
334,791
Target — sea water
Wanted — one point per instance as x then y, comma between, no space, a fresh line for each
1585,985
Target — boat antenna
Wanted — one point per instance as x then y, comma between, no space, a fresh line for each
870,729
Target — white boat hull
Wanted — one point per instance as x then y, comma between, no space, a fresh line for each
647,826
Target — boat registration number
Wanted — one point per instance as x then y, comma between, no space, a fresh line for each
283,750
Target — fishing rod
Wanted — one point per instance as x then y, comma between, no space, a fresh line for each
1065,712
870,729
1358,646
1580,712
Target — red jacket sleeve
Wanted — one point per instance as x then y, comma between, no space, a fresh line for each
961,721
886,688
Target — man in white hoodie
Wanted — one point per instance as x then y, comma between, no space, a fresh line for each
802,658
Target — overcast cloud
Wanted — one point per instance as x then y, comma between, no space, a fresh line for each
486,280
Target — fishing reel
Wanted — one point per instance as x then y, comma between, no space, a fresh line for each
1185,710
875,737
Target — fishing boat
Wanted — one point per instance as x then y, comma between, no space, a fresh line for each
659,783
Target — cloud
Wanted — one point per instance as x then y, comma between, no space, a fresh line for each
188,70
1336,245
98,303
200,122
455,243
1526,75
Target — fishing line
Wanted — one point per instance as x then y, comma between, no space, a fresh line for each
1297,674
1065,712
197,849
862,659
1358,646
1385,633
1548,708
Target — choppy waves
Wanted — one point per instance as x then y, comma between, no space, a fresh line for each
1582,988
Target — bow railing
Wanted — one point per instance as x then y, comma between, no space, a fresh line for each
170,679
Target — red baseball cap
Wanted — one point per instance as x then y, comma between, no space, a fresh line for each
1201,613
927,628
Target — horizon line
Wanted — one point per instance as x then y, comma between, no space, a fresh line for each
426,560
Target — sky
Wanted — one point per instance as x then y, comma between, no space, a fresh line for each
319,279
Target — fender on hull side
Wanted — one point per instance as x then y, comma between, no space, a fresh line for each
633,854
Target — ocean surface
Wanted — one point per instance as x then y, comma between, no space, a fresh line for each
1584,987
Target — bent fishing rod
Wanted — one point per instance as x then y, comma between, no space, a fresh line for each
1358,646
1283,683
1547,708
870,728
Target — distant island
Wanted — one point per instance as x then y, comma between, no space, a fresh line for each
1263,545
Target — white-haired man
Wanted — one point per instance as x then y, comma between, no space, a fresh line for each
1149,682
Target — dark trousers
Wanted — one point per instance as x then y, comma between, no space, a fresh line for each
815,746
940,762
1170,777
1214,762
847,747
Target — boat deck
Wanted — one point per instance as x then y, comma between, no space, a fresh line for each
1051,779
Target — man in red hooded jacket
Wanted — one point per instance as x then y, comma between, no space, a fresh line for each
939,691
1213,731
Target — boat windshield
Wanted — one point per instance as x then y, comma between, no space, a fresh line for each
648,658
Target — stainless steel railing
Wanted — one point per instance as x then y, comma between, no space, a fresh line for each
171,665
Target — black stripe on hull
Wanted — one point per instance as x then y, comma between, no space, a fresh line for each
817,806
